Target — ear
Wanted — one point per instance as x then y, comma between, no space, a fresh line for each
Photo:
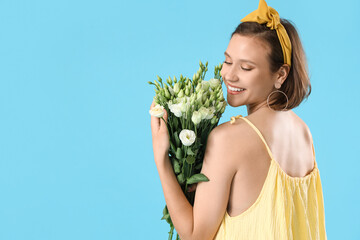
282,73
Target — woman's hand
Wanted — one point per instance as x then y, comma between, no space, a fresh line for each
160,134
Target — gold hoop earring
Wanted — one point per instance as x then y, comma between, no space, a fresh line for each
287,100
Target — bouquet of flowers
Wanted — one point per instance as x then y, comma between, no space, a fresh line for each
195,109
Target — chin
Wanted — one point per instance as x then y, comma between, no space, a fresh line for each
233,103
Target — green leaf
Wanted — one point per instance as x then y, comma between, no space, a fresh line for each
177,139
198,166
168,220
179,153
185,168
165,216
190,152
176,166
175,121
190,159
181,178
165,210
172,147
199,177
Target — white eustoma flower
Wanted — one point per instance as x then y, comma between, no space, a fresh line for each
196,117
203,112
207,113
187,137
175,109
211,111
205,85
157,111
214,82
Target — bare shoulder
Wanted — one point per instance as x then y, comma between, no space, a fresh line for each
304,127
234,138
227,131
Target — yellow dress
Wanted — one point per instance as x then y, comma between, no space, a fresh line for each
287,207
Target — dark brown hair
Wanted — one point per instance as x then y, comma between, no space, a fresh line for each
297,84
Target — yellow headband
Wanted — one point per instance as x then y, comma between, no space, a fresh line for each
268,15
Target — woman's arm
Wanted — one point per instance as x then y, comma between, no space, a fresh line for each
201,222
181,211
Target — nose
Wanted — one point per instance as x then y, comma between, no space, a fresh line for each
229,73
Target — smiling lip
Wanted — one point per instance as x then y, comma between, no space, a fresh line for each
235,86
234,92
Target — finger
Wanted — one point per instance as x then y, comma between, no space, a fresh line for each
155,121
163,124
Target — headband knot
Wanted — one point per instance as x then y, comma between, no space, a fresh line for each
268,15
274,19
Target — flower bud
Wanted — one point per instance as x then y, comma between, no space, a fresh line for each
219,106
192,100
199,95
197,75
157,84
204,97
181,93
214,120
207,103
171,91
187,91
221,97
159,78
177,87
167,94
198,87
223,109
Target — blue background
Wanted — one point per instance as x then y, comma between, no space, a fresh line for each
76,158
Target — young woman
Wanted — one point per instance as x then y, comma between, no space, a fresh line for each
264,181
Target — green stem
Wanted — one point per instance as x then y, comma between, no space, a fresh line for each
171,232
177,237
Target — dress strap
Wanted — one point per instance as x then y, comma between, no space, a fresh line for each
256,130
312,144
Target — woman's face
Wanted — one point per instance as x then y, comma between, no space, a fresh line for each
246,66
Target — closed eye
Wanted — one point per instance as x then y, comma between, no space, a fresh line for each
246,69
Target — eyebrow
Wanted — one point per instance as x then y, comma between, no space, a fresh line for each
243,60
